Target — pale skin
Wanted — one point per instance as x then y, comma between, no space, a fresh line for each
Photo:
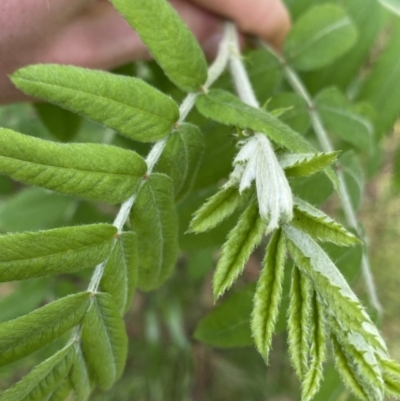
90,33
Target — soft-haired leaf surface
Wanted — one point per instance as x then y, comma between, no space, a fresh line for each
174,47
237,249
268,295
181,158
24,335
104,341
299,322
226,108
61,250
306,164
126,104
121,271
62,392
319,37
43,379
92,171
155,221
319,225
216,209
352,123
79,377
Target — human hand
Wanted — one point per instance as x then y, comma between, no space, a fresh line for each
92,34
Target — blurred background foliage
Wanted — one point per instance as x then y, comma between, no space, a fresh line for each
183,347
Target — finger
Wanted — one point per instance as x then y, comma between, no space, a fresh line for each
267,19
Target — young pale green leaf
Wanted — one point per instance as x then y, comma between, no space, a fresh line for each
390,367
79,377
62,392
299,322
181,158
96,172
319,225
126,104
155,221
104,341
121,271
174,47
61,250
228,324
392,5
26,334
216,209
268,295
226,108
319,37
350,122
237,249
315,375
306,164
44,379
61,123
392,387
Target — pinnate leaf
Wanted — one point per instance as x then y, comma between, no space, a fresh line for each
61,250
79,377
26,334
155,221
96,172
237,249
121,271
269,294
43,379
62,392
104,341
319,37
319,225
174,47
181,158
126,104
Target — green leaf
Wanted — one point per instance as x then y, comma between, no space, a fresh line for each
92,171
226,108
353,176
121,271
62,392
60,250
268,295
181,158
299,322
44,379
61,123
79,377
392,5
26,334
216,209
319,225
155,221
380,88
237,249
350,122
104,341
126,104
174,47
306,164
319,37
228,324
315,375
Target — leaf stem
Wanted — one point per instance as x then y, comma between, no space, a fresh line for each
326,145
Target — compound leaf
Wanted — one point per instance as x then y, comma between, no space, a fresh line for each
79,377
174,47
237,249
319,225
26,334
43,379
104,341
92,171
62,392
269,294
121,271
126,104
319,37
181,158
155,220
61,250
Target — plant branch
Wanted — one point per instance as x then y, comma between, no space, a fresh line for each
326,145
